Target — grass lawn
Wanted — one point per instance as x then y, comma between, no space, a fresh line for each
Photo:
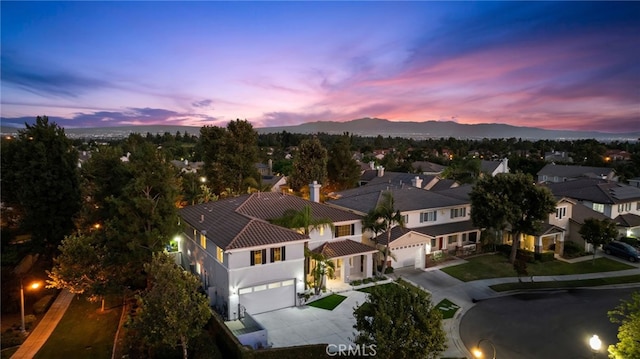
328,302
566,284
498,266
369,289
447,308
83,332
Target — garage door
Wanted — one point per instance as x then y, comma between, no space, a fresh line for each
406,256
267,297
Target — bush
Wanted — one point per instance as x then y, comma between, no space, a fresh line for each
525,255
29,320
367,280
356,282
379,278
571,250
544,256
11,338
504,248
388,270
43,304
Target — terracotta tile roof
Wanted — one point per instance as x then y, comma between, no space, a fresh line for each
242,222
343,248
628,220
433,231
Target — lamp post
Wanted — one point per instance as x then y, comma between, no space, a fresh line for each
477,352
595,343
34,285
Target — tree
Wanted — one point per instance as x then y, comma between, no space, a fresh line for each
323,267
627,314
399,321
343,171
309,164
598,232
45,176
384,217
172,311
510,200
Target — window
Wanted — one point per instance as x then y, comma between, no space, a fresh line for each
428,216
277,254
245,290
624,207
598,207
203,241
452,239
258,257
433,243
637,206
405,219
220,254
458,212
345,230
561,212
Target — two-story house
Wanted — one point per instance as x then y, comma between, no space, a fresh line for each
433,221
553,173
248,264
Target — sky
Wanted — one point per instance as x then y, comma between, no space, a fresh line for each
553,65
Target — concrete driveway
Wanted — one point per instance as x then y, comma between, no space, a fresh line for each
308,325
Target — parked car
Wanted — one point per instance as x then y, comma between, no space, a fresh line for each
623,250
634,242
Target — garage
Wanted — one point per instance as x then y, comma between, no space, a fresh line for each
407,256
269,296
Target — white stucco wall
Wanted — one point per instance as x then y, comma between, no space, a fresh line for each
443,216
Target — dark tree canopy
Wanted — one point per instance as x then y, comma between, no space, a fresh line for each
627,314
45,181
343,171
309,164
401,322
598,232
511,201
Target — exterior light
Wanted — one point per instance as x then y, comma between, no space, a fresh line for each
478,353
34,285
595,343
203,179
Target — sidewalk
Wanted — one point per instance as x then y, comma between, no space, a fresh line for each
466,294
41,333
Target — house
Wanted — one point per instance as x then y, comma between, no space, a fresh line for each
561,173
494,167
379,177
616,201
428,168
557,156
275,183
635,182
579,213
617,155
187,167
247,264
434,221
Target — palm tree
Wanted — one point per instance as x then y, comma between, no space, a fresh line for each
323,267
304,222
383,218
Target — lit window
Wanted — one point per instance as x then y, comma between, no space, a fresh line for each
287,283
277,254
598,207
345,230
259,288
203,241
275,285
220,254
258,257
245,290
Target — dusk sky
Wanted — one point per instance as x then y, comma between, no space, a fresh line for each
567,65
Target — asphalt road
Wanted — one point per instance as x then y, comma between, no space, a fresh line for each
544,325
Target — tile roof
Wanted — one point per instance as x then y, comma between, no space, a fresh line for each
433,231
596,190
343,248
628,220
425,166
242,222
580,212
574,171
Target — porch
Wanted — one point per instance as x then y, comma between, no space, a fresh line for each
351,261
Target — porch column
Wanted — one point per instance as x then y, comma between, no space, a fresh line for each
537,246
346,270
368,265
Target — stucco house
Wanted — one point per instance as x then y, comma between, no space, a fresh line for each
494,167
553,173
434,221
248,264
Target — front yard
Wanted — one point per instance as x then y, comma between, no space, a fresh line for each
498,266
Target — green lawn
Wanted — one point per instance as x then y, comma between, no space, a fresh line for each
566,284
83,332
369,289
328,302
447,308
498,266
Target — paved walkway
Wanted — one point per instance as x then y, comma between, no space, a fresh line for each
41,333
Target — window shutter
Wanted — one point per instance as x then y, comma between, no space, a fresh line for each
272,250
435,215
353,229
264,256
282,252
253,258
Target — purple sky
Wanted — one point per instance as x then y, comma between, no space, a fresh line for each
566,65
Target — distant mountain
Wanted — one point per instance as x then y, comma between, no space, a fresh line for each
437,129
371,127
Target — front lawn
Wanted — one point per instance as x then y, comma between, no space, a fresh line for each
447,308
370,288
328,302
84,331
498,266
595,282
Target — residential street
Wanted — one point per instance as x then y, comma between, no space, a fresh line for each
553,324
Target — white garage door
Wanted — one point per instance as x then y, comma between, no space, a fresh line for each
406,256
267,297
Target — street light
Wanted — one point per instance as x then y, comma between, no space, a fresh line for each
477,352
34,285
595,343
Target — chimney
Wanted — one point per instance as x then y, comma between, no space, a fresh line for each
270,167
201,218
314,191
380,171
372,165
186,162
416,182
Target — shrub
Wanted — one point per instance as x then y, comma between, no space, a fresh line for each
29,320
367,280
544,257
504,248
379,278
356,282
11,338
571,249
43,304
388,270
525,255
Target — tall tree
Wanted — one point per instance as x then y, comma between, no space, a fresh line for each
322,267
598,232
399,321
309,164
342,169
627,314
385,216
172,312
46,182
513,201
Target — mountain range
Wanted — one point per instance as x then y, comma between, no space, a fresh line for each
371,127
